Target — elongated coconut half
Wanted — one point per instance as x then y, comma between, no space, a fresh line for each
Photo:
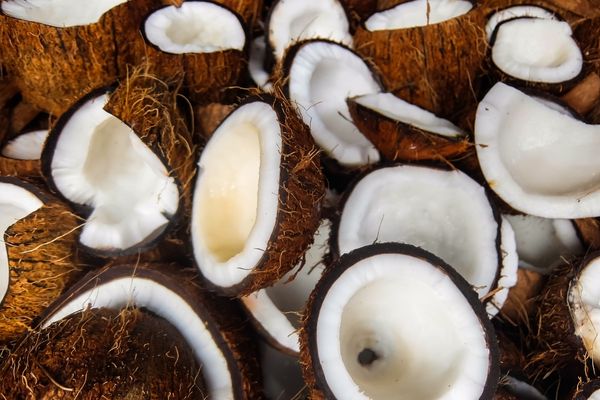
321,76
516,12
444,212
256,199
539,160
394,321
211,326
416,13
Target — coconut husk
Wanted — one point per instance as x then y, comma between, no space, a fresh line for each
208,117
584,96
588,230
102,353
503,394
520,306
54,67
435,67
358,10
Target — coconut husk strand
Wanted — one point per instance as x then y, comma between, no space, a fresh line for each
584,96
588,230
358,10
586,389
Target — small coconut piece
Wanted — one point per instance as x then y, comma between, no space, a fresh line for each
388,320
516,12
20,157
103,354
588,230
404,132
255,209
584,96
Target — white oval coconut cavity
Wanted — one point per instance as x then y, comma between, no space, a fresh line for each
417,13
27,146
516,12
540,161
236,195
194,27
322,76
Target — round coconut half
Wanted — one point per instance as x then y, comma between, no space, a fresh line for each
394,321
537,159
516,12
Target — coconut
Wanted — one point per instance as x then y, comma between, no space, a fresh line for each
588,229
589,390
394,321
257,197
358,10
101,354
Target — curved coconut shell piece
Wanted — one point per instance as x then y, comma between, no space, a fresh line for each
588,230
103,354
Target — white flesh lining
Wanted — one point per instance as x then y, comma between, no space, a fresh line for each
515,12
236,196
429,341
141,292
537,50
15,203
417,13
399,110
296,20
100,162
595,395
60,13
256,64
27,146
282,376
195,27
538,160
322,76
444,212
278,308
508,272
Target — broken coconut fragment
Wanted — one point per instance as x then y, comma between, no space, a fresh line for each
516,12
20,157
394,321
539,160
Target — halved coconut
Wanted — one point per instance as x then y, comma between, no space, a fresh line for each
516,12
416,13
394,321
256,200
538,160
321,76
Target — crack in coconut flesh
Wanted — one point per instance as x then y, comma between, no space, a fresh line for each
322,76
417,13
296,20
516,12
540,161
98,161
59,13
194,27
537,50
27,146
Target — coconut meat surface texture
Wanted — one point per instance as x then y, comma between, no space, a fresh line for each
100,162
194,27
537,50
516,12
236,195
15,203
540,161
399,110
393,326
322,76
27,146
417,13
59,13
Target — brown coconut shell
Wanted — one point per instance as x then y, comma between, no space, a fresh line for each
54,67
103,354
584,96
208,117
521,303
358,10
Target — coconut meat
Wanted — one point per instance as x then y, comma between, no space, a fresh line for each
399,110
59,13
540,161
236,195
537,50
394,326
100,162
142,292
15,203
322,76
27,146
516,12
296,20
508,270
194,27
417,13
443,212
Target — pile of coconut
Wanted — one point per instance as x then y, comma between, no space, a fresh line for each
300,199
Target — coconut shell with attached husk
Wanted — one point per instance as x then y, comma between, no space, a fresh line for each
588,230
104,354
207,118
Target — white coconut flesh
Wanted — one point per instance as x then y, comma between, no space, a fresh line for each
59,13
516,12
278,309
416,13
27,146
322,76
537,50
100,162
15,203
595,395
194,27
399,110
444,212
296,20
166,303
236,195
508,270
405,331
540,161
256,64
